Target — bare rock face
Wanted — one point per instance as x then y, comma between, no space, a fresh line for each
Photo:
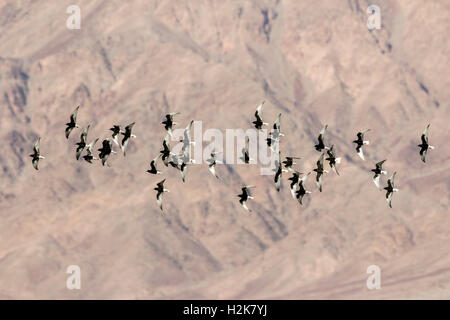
315,62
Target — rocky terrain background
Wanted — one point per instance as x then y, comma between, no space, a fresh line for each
315,62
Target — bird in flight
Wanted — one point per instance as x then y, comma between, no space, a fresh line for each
36,154
319,172
88,156
168,122
289,162
153,169
378,171
360,142
278,172
294,182
244,196
245,152
159,193
166,150
258,115
320,146
105,150
212,163
424,146
301,188
390,189
116,130
73,122
127,135
332,160
82,144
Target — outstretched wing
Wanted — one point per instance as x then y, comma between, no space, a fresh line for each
35,162
37,145
379,165
84,134
159,199
360,152
73,116
319,181
424,136
68,131
376,180
128,128
389,198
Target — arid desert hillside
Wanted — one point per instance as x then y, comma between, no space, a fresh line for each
315,62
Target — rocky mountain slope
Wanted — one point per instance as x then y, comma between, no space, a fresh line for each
315,62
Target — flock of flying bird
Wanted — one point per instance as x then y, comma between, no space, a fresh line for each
181,160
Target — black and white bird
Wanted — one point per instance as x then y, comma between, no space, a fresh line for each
319,172
332,160
424,146
166,150
271,143
186,148
127,135
82,144
258,115
105,150
301,188
36,154
153,169
73,122
378,171
244,196
294,182
115,135
185,161
245,152
212,163
89,148
289,162
278,172
390,189
159,193
360,142
168,122
276,130
320,146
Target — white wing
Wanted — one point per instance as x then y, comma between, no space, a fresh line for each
376,180
361,153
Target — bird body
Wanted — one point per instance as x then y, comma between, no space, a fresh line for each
73,122
244,196
168,122
82,144
424,146
153,169
289,162
301,191
360,142
159,193
36,156
166,150
319,172
258,115
127,135
332,160
320,146
378,171
390,189
212,164
105,150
